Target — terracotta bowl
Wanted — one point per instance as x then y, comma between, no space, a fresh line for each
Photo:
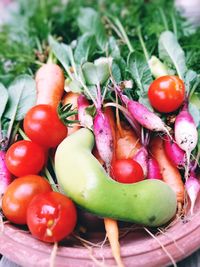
138,248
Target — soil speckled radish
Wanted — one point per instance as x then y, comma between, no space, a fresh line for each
142,158
84,118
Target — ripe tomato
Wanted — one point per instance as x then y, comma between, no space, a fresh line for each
43,126
25,157
19,194
127,171
51,216
166,94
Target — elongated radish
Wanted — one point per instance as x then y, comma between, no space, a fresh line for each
186,134
72,98
103,137
142,158
50,82
192,187
169,172
5,175
153,169
127,143
175,154
85,119
144,116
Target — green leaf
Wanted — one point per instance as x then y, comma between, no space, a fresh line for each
140,71
74,86
97,73
191,79
113,48
195,112
89,21
116,72
22,96
3,99
61,51
85,48
171,52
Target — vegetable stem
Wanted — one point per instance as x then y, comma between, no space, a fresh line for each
50,179
143,44
164,19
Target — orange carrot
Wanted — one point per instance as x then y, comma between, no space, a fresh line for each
169,172
127,143
112,233
71,98
50,82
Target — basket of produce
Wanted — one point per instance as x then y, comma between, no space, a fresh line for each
100,145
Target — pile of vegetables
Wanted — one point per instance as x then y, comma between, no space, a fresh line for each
105,123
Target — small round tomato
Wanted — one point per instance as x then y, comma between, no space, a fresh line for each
19,194
51,216
127,171
25,157
43,126
166,94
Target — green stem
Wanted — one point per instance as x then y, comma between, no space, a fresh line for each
174,25
23,135
50,179
88,92
126,39
14,132
164,19
193,89
143,44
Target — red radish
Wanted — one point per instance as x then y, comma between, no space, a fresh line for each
142,157
175,154
5,175
84,118
153,169
186,134
192,187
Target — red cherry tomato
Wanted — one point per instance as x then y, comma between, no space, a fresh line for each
43,126
127,171
51,216
25,157
19,194
166,94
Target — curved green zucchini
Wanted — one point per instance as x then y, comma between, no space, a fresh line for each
83,179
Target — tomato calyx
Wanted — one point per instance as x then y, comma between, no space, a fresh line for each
65,112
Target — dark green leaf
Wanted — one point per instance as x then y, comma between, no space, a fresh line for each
113,48
22,96
3,99
116,72
195,112
85,48
171,52
140,71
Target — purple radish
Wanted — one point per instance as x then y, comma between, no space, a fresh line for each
5,175
153,169
192,187
84,118
186,134
103,137
175,154
142,157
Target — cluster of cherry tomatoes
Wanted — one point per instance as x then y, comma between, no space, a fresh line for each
29,199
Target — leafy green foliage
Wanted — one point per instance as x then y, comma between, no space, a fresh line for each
3,99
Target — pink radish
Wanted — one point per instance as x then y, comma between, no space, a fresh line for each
153,169
84,118
192,186
142,157
143,115
103,137
186,134
175,154
5,175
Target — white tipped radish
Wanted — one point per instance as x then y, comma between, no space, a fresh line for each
5,175
142,157
186,134
103,137
145,117
84,118
175,154
192,187
153,169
